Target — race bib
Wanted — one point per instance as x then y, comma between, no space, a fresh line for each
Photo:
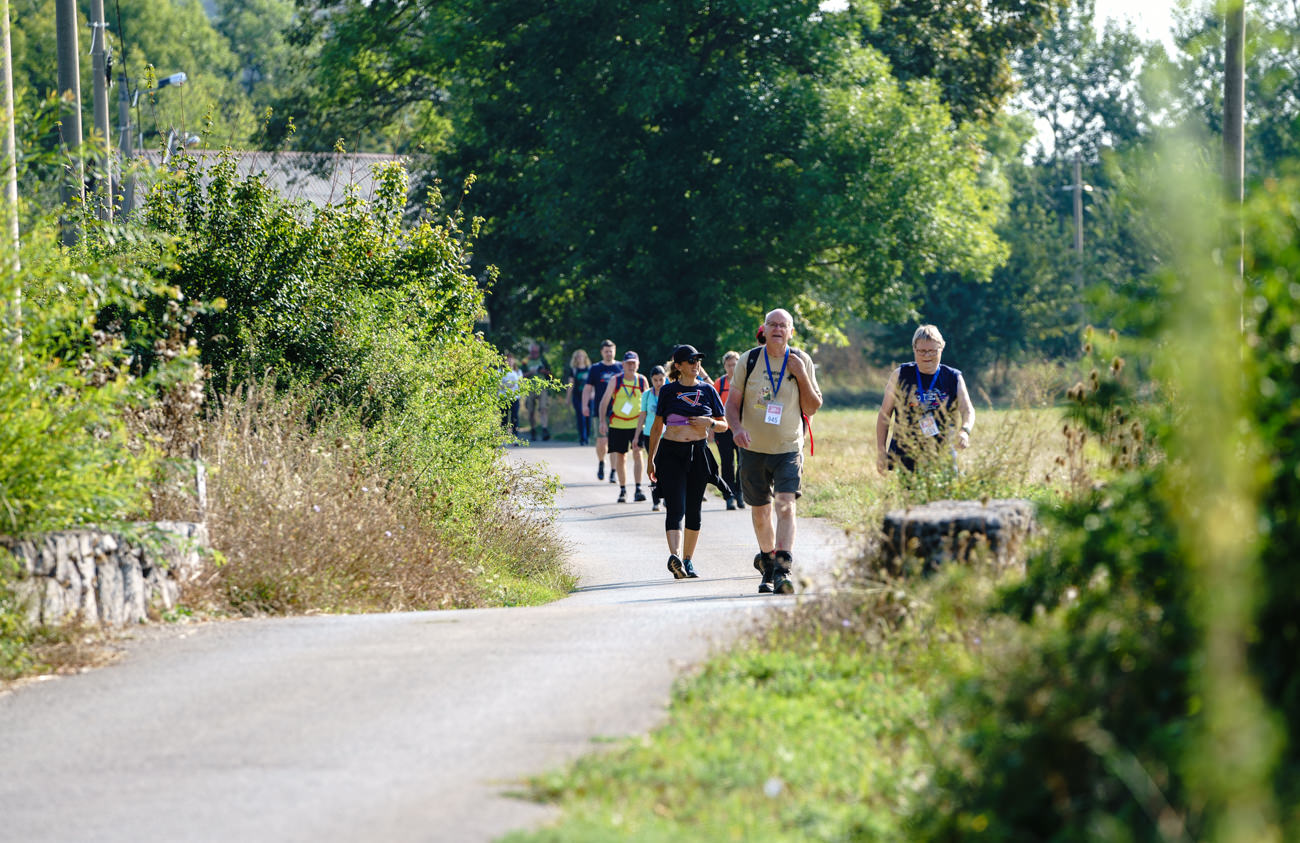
928,425
626,409
773,414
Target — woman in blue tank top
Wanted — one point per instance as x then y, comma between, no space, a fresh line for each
925,401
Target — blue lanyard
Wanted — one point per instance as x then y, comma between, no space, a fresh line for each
776,385
925,393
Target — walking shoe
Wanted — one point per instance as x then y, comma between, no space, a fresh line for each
689,568
731,503
763,564
546,434
675,565
639,496
781,562
622,494
613,476
655,508
532,434
600,471
740,501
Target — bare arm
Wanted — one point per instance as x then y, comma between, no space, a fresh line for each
967,409
610,386
882,421
587,394
656,433
810,394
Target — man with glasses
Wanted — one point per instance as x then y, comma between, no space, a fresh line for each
925,400
765,413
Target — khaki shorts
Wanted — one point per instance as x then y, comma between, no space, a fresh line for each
763,474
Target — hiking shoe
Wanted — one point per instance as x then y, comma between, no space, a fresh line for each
689,568
675,566
639,496
655,508
622,495
763,564
600,471
781,562
546,434
731,503
740,502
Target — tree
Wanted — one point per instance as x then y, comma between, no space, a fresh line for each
965,47
667,171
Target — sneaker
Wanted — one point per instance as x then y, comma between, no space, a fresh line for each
600,471
655,508
740,502
689,567
675,565
763,564
781,562
731,503
546,434
613,476
622,495
639,496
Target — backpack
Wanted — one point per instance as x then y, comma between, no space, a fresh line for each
750,363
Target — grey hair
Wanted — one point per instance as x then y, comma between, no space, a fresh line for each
730,355
928,332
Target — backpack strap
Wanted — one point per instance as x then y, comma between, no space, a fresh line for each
749,370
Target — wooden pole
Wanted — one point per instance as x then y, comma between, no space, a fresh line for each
99,62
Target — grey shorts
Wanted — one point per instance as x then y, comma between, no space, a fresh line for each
763,474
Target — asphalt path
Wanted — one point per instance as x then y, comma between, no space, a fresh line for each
399,727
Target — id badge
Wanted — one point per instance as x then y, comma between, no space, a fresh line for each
627,409
928,425
773,414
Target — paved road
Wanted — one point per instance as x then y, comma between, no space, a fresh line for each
396,727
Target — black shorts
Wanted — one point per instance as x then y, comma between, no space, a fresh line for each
620,439
763,474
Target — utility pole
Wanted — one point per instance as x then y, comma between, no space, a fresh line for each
1234,132
1078,188
9,160
100,74
74,186
126,143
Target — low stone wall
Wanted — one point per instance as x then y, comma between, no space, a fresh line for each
103,577
943,531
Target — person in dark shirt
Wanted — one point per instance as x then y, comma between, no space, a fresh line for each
681,463
926,401
597,377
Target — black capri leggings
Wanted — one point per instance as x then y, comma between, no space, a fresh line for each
681,472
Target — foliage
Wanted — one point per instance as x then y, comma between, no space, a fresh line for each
744,153
1272,84
1273,264
65,454
965,48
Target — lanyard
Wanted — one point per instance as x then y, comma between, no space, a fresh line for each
925,393
627,390
776,385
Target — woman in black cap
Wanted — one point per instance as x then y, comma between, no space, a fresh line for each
680,461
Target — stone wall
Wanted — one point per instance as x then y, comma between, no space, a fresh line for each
106,578
944,531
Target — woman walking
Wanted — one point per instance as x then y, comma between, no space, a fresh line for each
680,461
576,379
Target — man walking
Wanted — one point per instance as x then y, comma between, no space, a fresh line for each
597,378
620,411
765,412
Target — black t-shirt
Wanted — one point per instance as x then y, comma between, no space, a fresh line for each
921,395
698,400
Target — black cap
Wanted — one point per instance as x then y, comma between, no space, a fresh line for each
682,353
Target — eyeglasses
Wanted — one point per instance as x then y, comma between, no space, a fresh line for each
926,351
778,325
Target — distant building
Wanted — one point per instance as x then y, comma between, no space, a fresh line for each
316,177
